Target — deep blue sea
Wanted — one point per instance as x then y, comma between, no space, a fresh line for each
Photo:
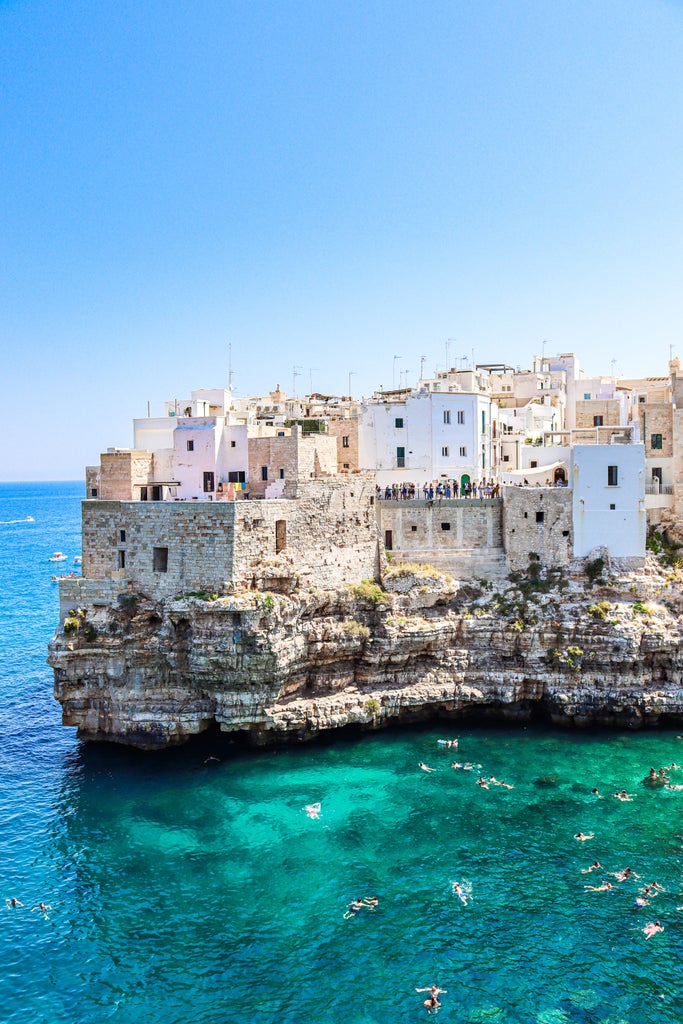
189,892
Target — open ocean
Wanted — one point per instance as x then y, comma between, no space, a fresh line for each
185,892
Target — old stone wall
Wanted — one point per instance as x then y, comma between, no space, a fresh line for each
460,536
346,434
326,537
120,472
656,419
537,521
293,457
588,409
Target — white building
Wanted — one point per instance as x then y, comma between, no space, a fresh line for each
426,435
608,508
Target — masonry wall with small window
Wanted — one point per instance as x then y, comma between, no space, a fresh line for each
537,521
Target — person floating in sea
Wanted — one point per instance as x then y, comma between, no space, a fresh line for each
432,1002
498,782
605,887
370,902
313,810
652,928
481,781
353,908
448,743
43,908
425,767
595,866
595,792
621,794
582,838
458,891
13,902
623,876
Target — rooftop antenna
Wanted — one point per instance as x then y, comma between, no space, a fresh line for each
352,373
296,372
393,378
311,370
405,373
671,351
230,366
423,360
612,364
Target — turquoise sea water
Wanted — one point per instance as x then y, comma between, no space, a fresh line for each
187,892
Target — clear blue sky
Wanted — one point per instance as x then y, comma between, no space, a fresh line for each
325,185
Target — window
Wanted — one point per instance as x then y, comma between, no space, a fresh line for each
398,423
345,440
233,444
657,474
483,422
540,516
237,477
533,464
122,536
400,457
143,494
641,399
586,398
506,458
463,451
346,465
208,482
190,446
444,451
413,529
122,559
264,472
156,493
445,526
612,476
656,441
282,474
597,421
612,508
447,415
461,416
160,559
565,533
280,433
280,535
93,492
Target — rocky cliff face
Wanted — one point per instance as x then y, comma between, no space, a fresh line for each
574,649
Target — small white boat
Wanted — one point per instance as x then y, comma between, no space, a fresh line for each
78,559
58,556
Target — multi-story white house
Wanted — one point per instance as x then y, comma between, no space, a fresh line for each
417,436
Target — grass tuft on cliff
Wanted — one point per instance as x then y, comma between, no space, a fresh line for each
370,591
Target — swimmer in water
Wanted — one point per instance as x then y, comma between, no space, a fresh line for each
432,1003
605,887
623,876
481,781
582,838
370,902
595,792
313,810
595,866
43,908
623,795
353,908
425,767
448,743
652,928
13,902
459,892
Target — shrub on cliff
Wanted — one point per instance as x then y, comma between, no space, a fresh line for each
371,592
599,610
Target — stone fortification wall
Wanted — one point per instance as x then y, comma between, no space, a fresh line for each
538,521
459,536
325,537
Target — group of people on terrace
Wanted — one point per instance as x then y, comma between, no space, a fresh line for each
438,490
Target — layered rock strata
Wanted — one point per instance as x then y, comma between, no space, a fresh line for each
272,667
